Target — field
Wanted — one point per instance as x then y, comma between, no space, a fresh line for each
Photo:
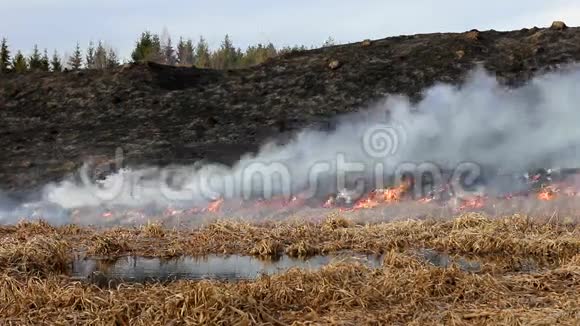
527,272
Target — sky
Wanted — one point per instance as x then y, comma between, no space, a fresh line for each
59,24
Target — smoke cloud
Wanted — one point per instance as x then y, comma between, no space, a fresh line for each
480,122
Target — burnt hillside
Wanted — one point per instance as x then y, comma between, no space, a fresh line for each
51,122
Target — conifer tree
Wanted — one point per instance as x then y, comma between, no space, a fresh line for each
112,59
4,56
35,60
45,61
19,63
148,48
185,52
76,60
90,57
227,57
202,54
55,62
100,56
169,53
329,42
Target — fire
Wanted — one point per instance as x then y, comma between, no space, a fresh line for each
476,202
330,202
215,206
546,195
382,196
279,202
426,200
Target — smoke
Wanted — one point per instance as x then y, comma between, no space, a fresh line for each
481,123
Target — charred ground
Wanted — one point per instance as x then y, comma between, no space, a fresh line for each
51,122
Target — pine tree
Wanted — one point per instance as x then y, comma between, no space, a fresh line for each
329,42
100,56
19,63
4,56
112,59
76,60
202,54
190,57
35,61
258,54
45,61
148,48
156,53
227,57
185,52
55,62
90,58
169,53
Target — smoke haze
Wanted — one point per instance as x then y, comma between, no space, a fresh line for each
480,122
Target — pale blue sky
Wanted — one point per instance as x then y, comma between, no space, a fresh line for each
58,24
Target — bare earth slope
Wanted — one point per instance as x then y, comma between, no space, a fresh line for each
50,123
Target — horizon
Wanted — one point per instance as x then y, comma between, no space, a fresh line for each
260,22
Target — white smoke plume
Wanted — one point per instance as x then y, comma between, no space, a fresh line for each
480,122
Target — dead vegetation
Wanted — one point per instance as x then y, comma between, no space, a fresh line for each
267,248
547,241
302,249
39,255
403,291
528,272
107,246
153,229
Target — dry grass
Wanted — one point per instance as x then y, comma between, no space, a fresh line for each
302,249
552,242
405,290
107,246
153,229
39,255
335,221
267,248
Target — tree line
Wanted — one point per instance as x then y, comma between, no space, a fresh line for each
149,47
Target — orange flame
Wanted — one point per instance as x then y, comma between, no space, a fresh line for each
425,200
548,193
382,196
477,202
215,206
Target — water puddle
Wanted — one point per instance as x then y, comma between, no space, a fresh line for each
132,269
231,268
443,260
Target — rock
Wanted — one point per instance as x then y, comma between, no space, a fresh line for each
558,25
366,43
459,54
472,35
334,64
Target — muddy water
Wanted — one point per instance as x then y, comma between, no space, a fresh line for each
232,268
